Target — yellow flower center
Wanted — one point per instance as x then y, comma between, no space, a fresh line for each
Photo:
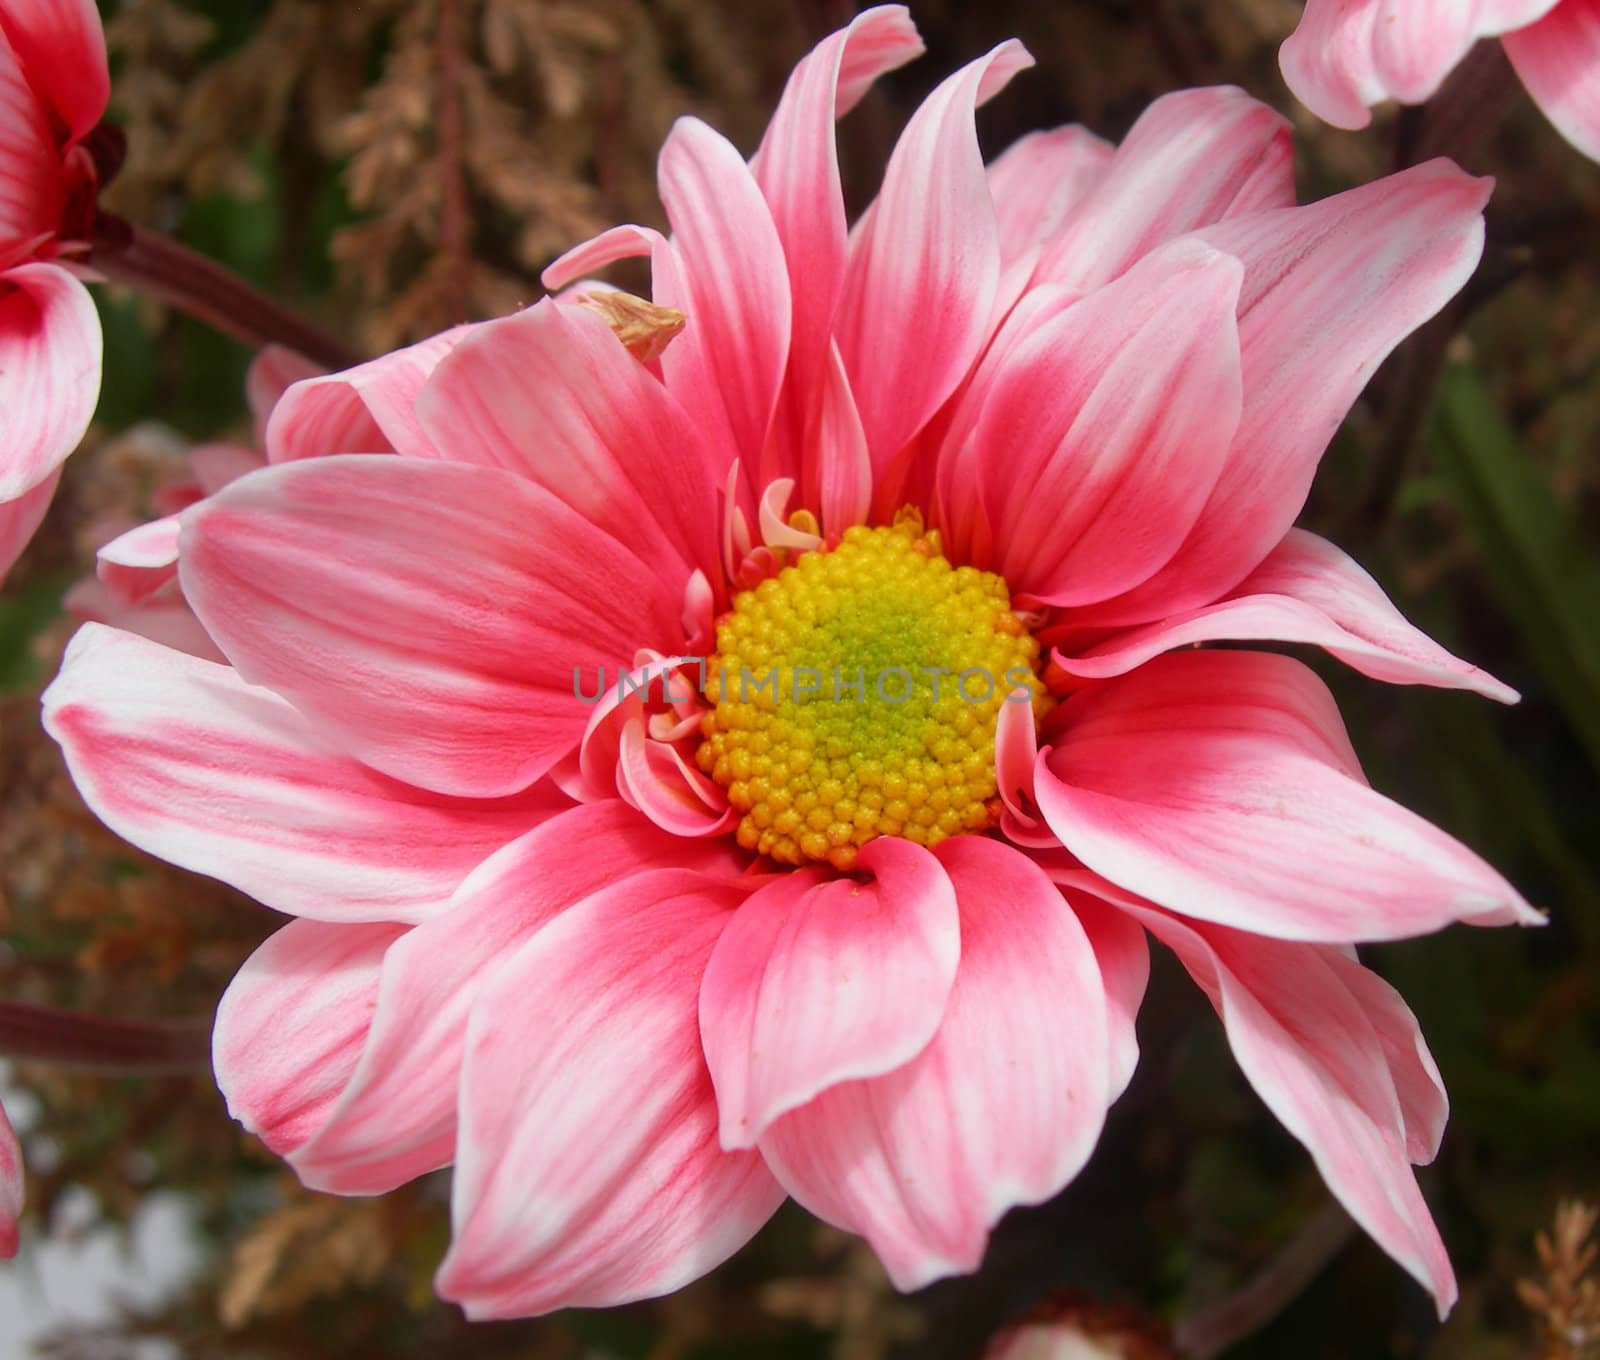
857,693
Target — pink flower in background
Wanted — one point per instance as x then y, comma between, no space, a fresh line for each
1348,55
641,959
53,90
10,1188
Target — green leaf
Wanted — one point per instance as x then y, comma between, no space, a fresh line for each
1536,563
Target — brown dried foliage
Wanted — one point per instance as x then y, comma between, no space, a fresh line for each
1566,1301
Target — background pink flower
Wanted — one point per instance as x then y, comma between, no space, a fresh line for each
1348,55
53,90
573,948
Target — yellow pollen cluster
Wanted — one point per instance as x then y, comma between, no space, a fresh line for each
857,693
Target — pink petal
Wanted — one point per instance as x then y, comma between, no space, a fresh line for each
820,979
1306,591
216,465
49,370
797,169
1222,785
181,758
924,264
550,394
1193,158
273,372
1002,1108
1309,1047
588,1172
63,49
20,518
732,283
1123,955
1424,1107
837,470
32,186
366,409
1105,432
10,1188
138,563
1329,290
396,1117
164,618
426,616
292,1024
1039,179
1558,59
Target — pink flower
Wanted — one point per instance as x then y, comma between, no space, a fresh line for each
53,90
10,1188
642,959
1347,55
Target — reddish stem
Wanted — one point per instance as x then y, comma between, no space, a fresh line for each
49,1034
205,290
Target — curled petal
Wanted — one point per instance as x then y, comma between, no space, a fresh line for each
1306,591
1003,1107
138,563
818,980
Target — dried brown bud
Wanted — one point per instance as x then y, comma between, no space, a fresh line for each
643,327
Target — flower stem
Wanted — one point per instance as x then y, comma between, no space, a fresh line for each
209,292
1209,1331
50,1034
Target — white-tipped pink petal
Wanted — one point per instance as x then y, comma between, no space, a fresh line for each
20,518
1115,419
836,472
1193,158
49,370
1002,1108
654,777
63,49
138,563
1016,755
1329,290
292,1024
10,1188
924,264
1558,59
396,1116
180,757
588,1171
370,408
1037,180
1309,1047
32,189
593,428
1222,785
428,616
1306,591
819,979
732,284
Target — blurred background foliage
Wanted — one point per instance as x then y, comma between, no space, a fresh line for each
396,166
